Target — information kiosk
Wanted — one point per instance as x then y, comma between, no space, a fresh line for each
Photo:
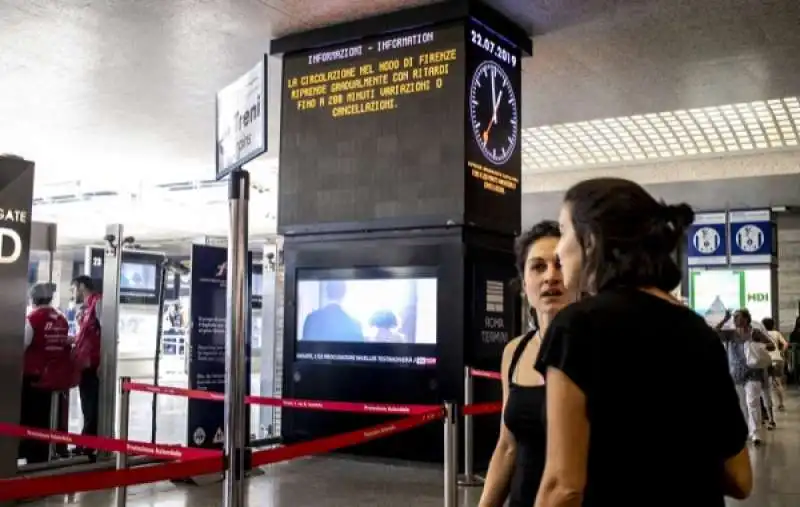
399,203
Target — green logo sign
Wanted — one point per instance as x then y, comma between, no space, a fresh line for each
758,297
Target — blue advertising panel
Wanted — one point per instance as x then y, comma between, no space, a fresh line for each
208,308
707,240
752,237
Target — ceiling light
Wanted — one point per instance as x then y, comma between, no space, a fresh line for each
729,128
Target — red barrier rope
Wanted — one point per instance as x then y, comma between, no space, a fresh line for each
485,374
40,487
106,444
37,487
492,407
329,406
334,442
174,391
342,406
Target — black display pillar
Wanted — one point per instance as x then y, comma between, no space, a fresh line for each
400,159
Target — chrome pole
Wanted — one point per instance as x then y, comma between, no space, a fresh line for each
235,336
55,405
450,455
124,421
469,479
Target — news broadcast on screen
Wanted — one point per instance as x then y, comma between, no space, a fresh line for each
373,320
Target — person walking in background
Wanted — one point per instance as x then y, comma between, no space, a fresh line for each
750,380
777,370
794,336
87,351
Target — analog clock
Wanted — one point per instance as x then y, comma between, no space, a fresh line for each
493,112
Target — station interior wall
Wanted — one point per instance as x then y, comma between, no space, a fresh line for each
754,181
788,270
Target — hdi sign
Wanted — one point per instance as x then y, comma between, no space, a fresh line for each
757,297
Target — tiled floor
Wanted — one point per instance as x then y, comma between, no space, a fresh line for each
337,482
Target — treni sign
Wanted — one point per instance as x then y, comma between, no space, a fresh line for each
241,127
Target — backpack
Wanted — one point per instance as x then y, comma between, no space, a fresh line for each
756,355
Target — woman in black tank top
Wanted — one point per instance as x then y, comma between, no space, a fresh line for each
518,461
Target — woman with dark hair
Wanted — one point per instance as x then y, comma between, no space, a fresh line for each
518,460
617,244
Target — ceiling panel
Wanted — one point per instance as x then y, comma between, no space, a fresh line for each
700,132
663,55
119,95
758,192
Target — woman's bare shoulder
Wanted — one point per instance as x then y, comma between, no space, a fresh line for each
512,345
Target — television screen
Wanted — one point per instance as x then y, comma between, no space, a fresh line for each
386,320
138,277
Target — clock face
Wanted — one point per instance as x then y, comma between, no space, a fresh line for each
493,112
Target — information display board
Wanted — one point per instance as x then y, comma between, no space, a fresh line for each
205,420
374,129
493,144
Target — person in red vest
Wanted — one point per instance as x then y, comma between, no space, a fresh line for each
87,349
47,354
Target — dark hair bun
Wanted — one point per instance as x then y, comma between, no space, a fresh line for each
681,216
671,225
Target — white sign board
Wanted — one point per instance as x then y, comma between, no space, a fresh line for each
242,120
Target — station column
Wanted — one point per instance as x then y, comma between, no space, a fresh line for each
16,203
399,160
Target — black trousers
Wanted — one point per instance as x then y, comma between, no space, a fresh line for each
90,400
35,412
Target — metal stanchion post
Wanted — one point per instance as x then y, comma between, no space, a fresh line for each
469,479
124,420
55,405
450,455
235,336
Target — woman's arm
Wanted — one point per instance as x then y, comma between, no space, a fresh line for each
738,478
760,337
724,321
784,345
501,466
564,476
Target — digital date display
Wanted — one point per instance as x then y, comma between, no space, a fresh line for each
488,43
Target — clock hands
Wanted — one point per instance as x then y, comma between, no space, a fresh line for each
504,137
496,105
494,99
493,121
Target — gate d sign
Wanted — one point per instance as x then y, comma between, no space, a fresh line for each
10,236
